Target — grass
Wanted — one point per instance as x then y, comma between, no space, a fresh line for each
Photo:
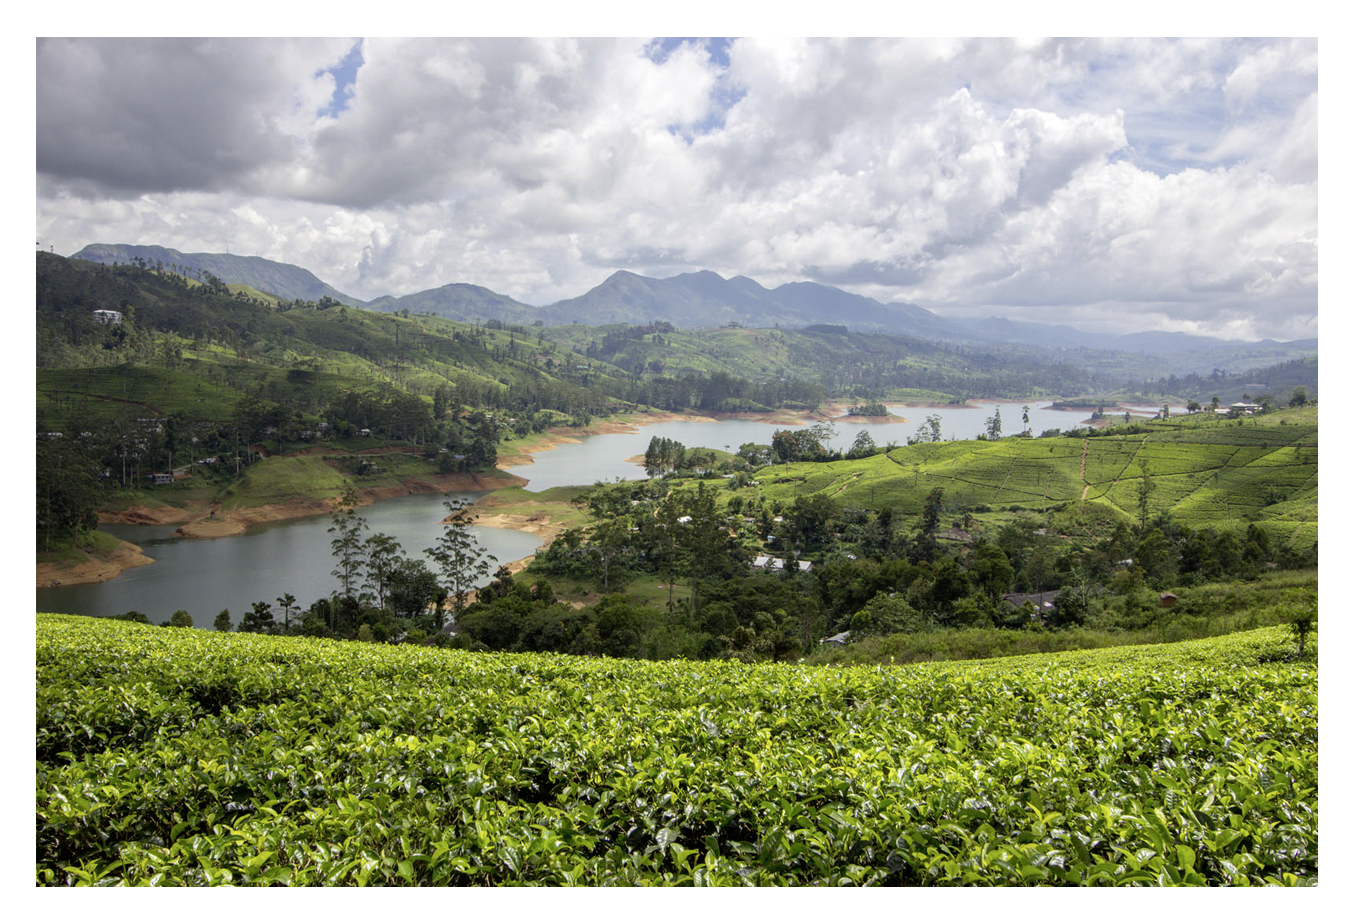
77,549
276,480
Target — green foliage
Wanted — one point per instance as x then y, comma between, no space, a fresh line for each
1206,472
173,757
1303,625
458,554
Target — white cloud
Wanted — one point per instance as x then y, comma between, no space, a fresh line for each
1047,178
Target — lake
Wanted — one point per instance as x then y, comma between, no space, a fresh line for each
603,457
202,576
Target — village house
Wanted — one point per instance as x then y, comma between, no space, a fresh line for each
1044,602
775,564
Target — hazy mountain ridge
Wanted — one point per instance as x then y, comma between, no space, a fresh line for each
287,281
707,299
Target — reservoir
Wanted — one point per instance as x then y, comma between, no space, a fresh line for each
603,458
204,576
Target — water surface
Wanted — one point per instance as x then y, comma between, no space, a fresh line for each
204,575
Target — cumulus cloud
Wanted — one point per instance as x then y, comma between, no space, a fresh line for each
1142,183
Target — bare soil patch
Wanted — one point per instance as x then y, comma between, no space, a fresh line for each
95,567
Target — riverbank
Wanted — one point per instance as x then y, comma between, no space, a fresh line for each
235,520
517,452
205,519
85,566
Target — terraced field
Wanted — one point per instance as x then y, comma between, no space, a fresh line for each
1221,475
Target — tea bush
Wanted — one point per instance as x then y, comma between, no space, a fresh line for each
188,757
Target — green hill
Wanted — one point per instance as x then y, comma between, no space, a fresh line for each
281,279
172,756
1203,472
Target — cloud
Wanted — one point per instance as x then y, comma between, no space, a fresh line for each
1043,177
126,116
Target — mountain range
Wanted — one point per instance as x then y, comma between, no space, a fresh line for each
691,300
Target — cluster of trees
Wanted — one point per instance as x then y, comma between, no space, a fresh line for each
874,573
375,574
1282,382
383,594
68,492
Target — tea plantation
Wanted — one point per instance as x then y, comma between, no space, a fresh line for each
178,756
1204,472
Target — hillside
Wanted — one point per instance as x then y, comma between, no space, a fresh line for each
176,756
1202,472
286,281
704,300
197,370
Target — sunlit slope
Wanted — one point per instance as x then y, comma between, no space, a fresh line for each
1216,475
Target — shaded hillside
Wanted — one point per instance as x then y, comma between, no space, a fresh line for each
467,303
288,282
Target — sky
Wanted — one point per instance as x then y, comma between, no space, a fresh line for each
1111,184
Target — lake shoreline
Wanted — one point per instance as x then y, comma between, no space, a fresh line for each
209,520
204,519
96,567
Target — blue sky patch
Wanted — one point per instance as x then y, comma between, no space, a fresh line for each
345,74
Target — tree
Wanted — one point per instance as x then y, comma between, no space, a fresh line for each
459,556
994,426
181,618
67,490
347,544
222,622
1144,490
1075,602
664,455
886,613
809,520
864,445
288,604
383,555
1303,624
924,549
413,588
1026,417
441,399
991,569
1299,397
704,537
933,423
259,619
